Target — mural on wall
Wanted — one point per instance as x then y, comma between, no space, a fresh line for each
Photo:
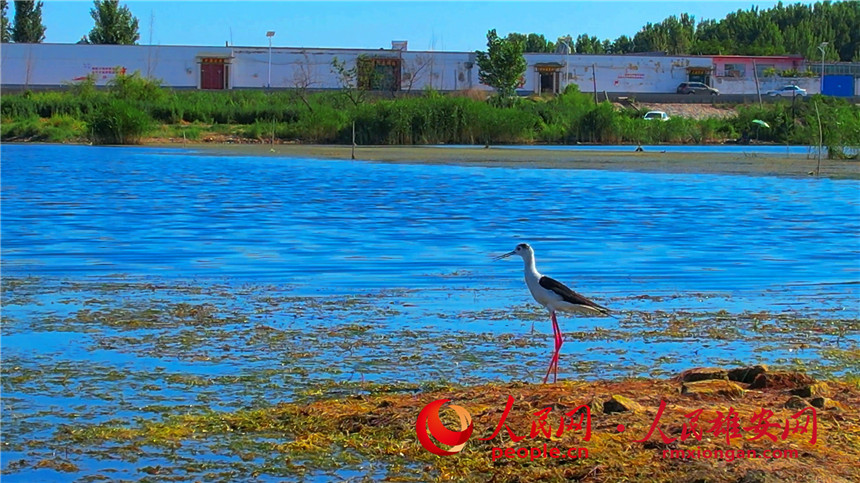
628,75
101,73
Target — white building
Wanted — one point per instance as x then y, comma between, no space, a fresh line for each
35,66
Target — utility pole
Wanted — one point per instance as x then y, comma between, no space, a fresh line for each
270,34
821,47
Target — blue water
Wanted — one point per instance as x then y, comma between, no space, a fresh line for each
73,211
413,243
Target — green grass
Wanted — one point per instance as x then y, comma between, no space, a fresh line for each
59,128
131,107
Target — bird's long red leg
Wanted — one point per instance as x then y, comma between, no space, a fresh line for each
553,362
549,369
559,340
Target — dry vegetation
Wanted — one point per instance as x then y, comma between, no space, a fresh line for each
375,430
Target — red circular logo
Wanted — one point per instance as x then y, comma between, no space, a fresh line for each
428,420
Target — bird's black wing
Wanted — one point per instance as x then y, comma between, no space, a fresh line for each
569,295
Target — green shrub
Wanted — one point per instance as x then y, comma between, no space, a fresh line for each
118,122
124,112
136,88
257,130
63,128
25,128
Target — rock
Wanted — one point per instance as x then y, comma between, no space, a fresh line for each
712,388
702,374
811,390
796,402
618,404
781,380
825,403
596,406
747,374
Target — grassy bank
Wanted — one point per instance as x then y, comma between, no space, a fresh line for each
373,432
133,110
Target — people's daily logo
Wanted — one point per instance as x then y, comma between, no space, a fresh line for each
429,424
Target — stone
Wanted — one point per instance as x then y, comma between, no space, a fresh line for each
781,380
702,374
796,402
812,390
747,374
712,388
618,404
825,403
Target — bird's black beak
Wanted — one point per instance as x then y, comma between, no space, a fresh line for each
506,255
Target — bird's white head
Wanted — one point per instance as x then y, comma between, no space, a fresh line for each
523,249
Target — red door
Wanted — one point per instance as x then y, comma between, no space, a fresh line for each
212,75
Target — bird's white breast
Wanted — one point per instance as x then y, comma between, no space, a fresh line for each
545,297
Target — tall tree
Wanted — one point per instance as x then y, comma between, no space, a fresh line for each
532,42
502,65
791,29
28,27
5,30
588,45
622,45
674,35
114,24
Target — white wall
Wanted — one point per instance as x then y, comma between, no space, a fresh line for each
617,73
312,68
51,65
58,64
734,85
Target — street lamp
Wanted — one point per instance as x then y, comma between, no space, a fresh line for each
821,47
566,63
270,34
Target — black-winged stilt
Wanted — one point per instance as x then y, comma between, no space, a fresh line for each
555,296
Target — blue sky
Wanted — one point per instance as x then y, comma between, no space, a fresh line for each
458,26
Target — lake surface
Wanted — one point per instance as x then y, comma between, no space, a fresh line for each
147,276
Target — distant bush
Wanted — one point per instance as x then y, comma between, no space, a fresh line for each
125,111
56,129
133,87
23,128
119,122
63,128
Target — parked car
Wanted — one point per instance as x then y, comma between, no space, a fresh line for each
656,115
788,91
696,88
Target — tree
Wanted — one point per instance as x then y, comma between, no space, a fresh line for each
532,42
114,25
674,35
588,45
355,81
785,29
502,65
28,27
622,45
5,31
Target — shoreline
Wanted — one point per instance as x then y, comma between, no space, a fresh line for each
755,164
746,164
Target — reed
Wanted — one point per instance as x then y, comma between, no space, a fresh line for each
131,107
